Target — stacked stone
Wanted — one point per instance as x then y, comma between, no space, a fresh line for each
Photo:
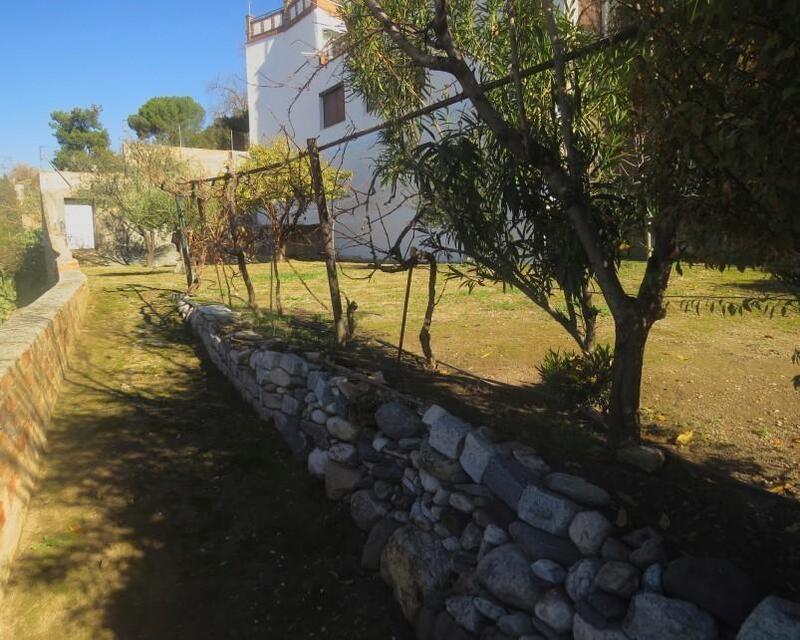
480,539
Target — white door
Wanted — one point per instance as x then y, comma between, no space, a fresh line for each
79,226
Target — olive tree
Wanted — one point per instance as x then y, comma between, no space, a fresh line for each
682,93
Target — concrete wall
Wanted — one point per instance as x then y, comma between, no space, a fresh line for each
34,348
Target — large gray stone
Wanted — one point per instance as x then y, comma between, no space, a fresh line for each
344,453
316,432
490,609
617,578
642,457
463,610
578,490
506,574
584,630
555,610
655,617
272,400
340,480
321,388
342,429
432,414
398,421
653,578
537,467
290,405
440,466
650,552
540,544
506,478
447,435
718,586
549,571
515,624
293,364
415,565
317,461
589,530
279,377
366,510
289,428
580,578
476,456
773,619
546,510
376,540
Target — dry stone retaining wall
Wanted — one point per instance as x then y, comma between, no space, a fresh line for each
479,538
34,345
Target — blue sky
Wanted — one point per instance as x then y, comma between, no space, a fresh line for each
59,54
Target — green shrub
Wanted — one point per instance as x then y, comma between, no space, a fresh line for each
578,379
8,295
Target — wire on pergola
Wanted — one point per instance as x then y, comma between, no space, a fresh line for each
313,150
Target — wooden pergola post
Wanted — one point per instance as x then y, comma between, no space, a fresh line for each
329,247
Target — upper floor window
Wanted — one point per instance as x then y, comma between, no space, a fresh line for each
332,105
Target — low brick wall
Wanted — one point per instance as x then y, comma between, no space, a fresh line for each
479,538
34,346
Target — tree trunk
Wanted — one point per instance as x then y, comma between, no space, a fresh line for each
248,283
425,332
626,380
277,275
589,313
150,244
632,329
329,251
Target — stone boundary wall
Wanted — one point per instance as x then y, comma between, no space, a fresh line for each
479,538
34,346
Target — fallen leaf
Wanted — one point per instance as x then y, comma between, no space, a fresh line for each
779,488
622,518
684,438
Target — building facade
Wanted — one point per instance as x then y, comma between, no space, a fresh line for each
296,89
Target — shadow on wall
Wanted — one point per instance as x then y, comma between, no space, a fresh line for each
169,511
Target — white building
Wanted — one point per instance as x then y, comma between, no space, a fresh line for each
295,87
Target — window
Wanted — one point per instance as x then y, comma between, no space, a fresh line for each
332,106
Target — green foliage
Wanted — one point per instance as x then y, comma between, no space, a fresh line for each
23,272
477,197
131,188
84,141
718,92
578,379
224,131
168,119
288,187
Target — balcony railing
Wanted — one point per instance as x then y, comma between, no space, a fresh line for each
281,19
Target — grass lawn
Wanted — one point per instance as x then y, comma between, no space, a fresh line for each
726,379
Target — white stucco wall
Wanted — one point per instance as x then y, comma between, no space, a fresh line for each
284,86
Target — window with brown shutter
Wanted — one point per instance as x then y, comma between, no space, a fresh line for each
332,106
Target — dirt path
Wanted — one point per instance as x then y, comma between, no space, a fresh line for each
167,510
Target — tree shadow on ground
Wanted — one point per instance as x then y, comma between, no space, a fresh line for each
701,508
169,510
